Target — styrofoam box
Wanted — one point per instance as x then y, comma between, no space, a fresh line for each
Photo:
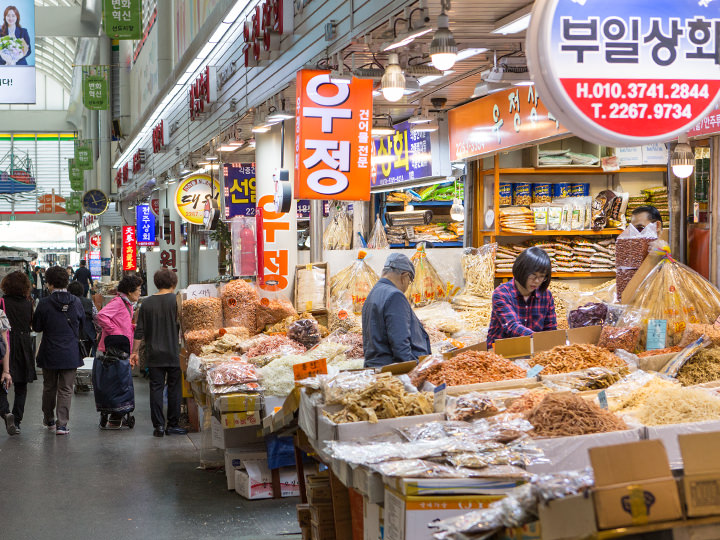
330,431
669,437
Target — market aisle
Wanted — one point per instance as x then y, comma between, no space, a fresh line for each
117,485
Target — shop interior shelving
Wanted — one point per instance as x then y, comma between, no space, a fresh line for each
498,173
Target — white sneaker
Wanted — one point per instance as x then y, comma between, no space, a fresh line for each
62,430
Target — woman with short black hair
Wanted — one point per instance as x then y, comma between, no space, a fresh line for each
524,305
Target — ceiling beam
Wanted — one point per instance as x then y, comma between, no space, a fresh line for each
52,21
40,121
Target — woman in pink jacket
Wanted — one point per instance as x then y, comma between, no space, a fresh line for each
116,319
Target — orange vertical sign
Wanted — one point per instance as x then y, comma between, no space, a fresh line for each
500,121
332,137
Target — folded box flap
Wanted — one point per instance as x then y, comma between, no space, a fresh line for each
630,462
700,452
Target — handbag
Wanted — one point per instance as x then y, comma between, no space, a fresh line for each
83,348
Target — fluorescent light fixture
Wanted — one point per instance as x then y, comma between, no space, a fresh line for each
484,88
405,39
443,49
261,128
393,81
183,248
422,81
382,127
228,148
510,71
279,116
515,22
203,163
211,157
468,53
251,143
426,128
682,161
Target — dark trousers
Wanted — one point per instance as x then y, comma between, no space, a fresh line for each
18,409
57,394
159,376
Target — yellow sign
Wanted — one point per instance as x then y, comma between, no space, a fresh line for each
191,195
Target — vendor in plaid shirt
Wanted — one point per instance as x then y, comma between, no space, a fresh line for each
524,305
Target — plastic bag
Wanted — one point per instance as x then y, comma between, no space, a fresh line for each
239,303
478,266
193,371
305,332
427,287
673,367
625,333
353,340
440,316
472,406
631,248
591,314
679,295
231,373
353,284
338,233
311,288
272,308
378,238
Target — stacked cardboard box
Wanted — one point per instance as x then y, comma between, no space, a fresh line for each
319,495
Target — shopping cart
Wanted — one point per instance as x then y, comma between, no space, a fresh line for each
83,376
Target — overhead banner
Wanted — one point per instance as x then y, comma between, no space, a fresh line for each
76,176
403,156
122,19
73,204
84,154
145,221
191,195
17,52
129,248
626,72
95,87
500,121
240,199
332,137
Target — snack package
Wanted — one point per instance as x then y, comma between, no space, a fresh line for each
478,266
600,208
339,231
625,333
677,294
378,238
305,332
427,287
350,286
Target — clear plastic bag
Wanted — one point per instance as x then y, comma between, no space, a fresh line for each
272,308
353,340
378,238
339,231
352,284
478,266
311,288
194,372
631,249
591,314
626,332
441,316
336,388
427,287
305,332
239,303
472,406
232,373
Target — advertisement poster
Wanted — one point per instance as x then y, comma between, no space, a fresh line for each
95,265
122,19
17,52
403,156
239,189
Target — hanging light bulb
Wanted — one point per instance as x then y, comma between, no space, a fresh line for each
393,80
457,210
443,49
682,161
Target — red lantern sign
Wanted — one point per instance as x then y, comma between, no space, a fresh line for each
129,248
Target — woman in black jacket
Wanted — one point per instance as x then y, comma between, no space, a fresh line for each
18,307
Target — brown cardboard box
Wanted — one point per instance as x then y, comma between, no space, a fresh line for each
588,334
633,485
544,341
304,515
568,518
516,347
701,483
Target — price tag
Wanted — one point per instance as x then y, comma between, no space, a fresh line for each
534,371
310,369
201,291
656,334
439,398
602,399
264,302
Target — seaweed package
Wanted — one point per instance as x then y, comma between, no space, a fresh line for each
378,238
427,287
679,295
352,284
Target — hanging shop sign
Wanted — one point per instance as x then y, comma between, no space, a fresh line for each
273,252
203,92
332,137
160,137
626,72
303,209
500,121
129,248
84,154
95,241
138,161
145,221
191,195
76,176
710,125
95,87
73,203
95,265
155,206
264,27
239,189
401,157
122,19
17,53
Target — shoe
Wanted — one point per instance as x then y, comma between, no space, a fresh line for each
17,429
50,424
158,432
175,430
62,430
10,424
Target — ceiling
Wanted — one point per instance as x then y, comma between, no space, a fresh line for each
55,55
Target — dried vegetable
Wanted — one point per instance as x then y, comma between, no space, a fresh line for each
384,398
702,368
223,344
666,350
695,331
561,415
202,314
567,358
477,319
677,405
239,304
440,316
473,367
338,233
427,287
633,399
527,401
478,265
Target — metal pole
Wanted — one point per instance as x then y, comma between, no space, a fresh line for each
316,231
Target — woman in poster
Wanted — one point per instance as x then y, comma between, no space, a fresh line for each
14,39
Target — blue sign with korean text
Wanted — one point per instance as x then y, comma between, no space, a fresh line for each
303,209
402,157
145,225
239,181
95,265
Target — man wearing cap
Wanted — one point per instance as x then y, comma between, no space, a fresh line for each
392,333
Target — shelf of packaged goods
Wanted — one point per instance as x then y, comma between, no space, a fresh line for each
434,244
427,203
604,232
565,275
577,170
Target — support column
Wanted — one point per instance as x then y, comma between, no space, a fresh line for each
106,241
316,230
280,230
103,175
